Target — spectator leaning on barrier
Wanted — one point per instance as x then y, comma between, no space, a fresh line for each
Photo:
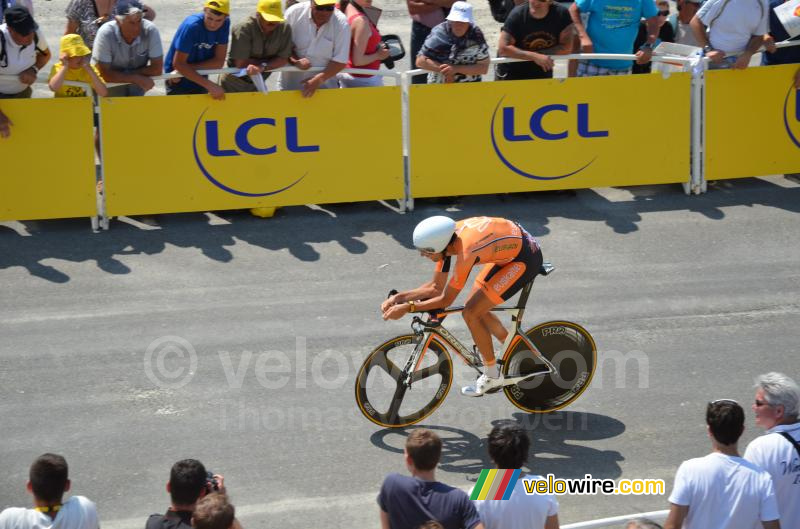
642,523
508,449
665,34
366,48
48,481
23,52
85,17
425,15
680,22
5,125
188,483
776,406
128,50
201,43
214,511
731,31
75,65
722,490
612,28
261,43
455,51
534,31
321,37
408,502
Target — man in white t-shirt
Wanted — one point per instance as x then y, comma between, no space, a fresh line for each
48,481
508,449
776,408
23,52
731,31
722,490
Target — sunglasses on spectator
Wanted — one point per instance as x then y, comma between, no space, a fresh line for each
760,403
664,12
328,7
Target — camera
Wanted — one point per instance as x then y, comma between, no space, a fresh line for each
212,485
395,47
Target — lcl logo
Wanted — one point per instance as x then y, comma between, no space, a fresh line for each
791,116
241,144
513,131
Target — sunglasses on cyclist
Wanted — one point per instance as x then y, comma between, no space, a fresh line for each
328,7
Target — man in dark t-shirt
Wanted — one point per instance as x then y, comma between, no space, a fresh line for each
407,502
534,31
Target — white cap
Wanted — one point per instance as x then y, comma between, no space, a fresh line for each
461,12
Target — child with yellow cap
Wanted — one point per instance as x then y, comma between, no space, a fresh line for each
75,66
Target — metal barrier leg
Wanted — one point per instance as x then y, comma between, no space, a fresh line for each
698,129
101,195
408,202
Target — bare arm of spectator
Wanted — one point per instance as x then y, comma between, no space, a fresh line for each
677,514
479,68
156,67
417,7
583,37
98,85
753,45
772,524
552,522
643,56
507,48
441,3
140,77
189,71
299,62
361,34
149,13
257,66
385,520
57,80
310,85
5,125
565,42
699,30
797,79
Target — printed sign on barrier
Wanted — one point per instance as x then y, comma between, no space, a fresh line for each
48,161
549,134
191,153
752,122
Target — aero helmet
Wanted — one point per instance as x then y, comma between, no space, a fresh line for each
434,233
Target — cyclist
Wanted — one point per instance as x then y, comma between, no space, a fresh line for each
511,257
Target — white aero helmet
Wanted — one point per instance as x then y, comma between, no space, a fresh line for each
434,233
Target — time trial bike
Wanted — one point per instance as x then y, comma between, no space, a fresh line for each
406,378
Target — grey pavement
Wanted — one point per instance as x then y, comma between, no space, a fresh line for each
688,298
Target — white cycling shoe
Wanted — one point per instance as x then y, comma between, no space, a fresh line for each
483,385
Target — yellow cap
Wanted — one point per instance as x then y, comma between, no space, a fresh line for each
223,6
73,45
325,2
270,10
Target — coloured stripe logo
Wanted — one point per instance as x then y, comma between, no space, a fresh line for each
495,484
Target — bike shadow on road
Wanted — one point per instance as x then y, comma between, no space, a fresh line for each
556,446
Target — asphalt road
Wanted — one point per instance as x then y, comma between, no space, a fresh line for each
688,299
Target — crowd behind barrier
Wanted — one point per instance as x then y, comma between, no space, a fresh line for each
720,490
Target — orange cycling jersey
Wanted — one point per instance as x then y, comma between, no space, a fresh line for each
482,240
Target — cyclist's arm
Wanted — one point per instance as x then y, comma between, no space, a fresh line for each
431,289
441,301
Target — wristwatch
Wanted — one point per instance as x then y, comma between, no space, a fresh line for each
646,46
708,48
413,306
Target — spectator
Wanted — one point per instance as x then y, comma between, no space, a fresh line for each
613,30
534,31
425,15
85,17
679,21
23,52
408,502
201,43
214,511
778,452
261,43
366,48
75,65
128,50
722,490
188,483
665,34
321,37
5,4
642,523
455,51
5,125
48,481
731,31
508,449
777,33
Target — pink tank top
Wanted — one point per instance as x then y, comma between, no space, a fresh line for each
372,46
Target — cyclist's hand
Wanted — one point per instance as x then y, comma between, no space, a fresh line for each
395,312
389,303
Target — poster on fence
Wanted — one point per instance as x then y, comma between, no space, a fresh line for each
511,136
48,160
789,15
192,153
752,122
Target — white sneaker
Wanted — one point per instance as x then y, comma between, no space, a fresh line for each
482,386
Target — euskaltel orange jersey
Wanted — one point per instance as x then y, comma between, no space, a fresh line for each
481,240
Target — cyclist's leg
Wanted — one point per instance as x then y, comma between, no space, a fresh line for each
477,306
492,322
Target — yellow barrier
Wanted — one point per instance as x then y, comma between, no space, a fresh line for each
478,138
48,162
752,122
191,153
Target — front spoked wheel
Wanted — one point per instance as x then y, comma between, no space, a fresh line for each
567,346
383,393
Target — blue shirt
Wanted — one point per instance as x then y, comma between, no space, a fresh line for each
410,502
613,25
195,40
